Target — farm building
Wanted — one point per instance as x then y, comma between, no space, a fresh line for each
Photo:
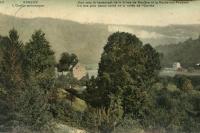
79,71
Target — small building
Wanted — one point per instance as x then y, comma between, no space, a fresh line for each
176,66
79,71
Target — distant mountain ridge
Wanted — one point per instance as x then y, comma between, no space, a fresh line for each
87,40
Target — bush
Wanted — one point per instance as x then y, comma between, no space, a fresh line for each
128,125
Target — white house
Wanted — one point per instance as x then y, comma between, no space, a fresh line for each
176,66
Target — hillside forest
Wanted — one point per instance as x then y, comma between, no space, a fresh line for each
186,52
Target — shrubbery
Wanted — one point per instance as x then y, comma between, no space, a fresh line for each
126,96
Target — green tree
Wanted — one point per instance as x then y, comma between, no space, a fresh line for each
40,77
11,77
152,64
183,83
187,85
89,94
127,71
174,111
40,60
11,65
121,51
67,62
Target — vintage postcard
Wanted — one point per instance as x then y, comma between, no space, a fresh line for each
99,66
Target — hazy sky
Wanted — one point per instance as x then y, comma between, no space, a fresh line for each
67,9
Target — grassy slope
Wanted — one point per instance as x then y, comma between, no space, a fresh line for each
77,104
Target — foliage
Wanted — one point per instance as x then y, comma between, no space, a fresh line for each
39,69
93,119
34,107
103,120
130,76
66,81
152,64
11,65
67,62
127,70
27,76
128,125
174,111
187,53
11,79
89,95
126,96
40,58
183,83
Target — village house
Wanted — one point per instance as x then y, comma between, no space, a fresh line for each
79,71
176,66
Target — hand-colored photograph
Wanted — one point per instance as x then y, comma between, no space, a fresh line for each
99,66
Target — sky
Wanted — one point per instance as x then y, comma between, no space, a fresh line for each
160,15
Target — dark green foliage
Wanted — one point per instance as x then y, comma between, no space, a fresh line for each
194,79
11,64
192,123
93,119
187,53
67,62
175,111
103,120
39,56
89,95
152,64
127,70
183,83
128,125
39,69
62,111
197,88
124,97
66,81
34,107
26,78
136,102
2,39
84,80
11,79
40,60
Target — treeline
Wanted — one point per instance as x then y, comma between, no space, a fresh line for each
129,95
29,86
126,96
187,53
26,81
